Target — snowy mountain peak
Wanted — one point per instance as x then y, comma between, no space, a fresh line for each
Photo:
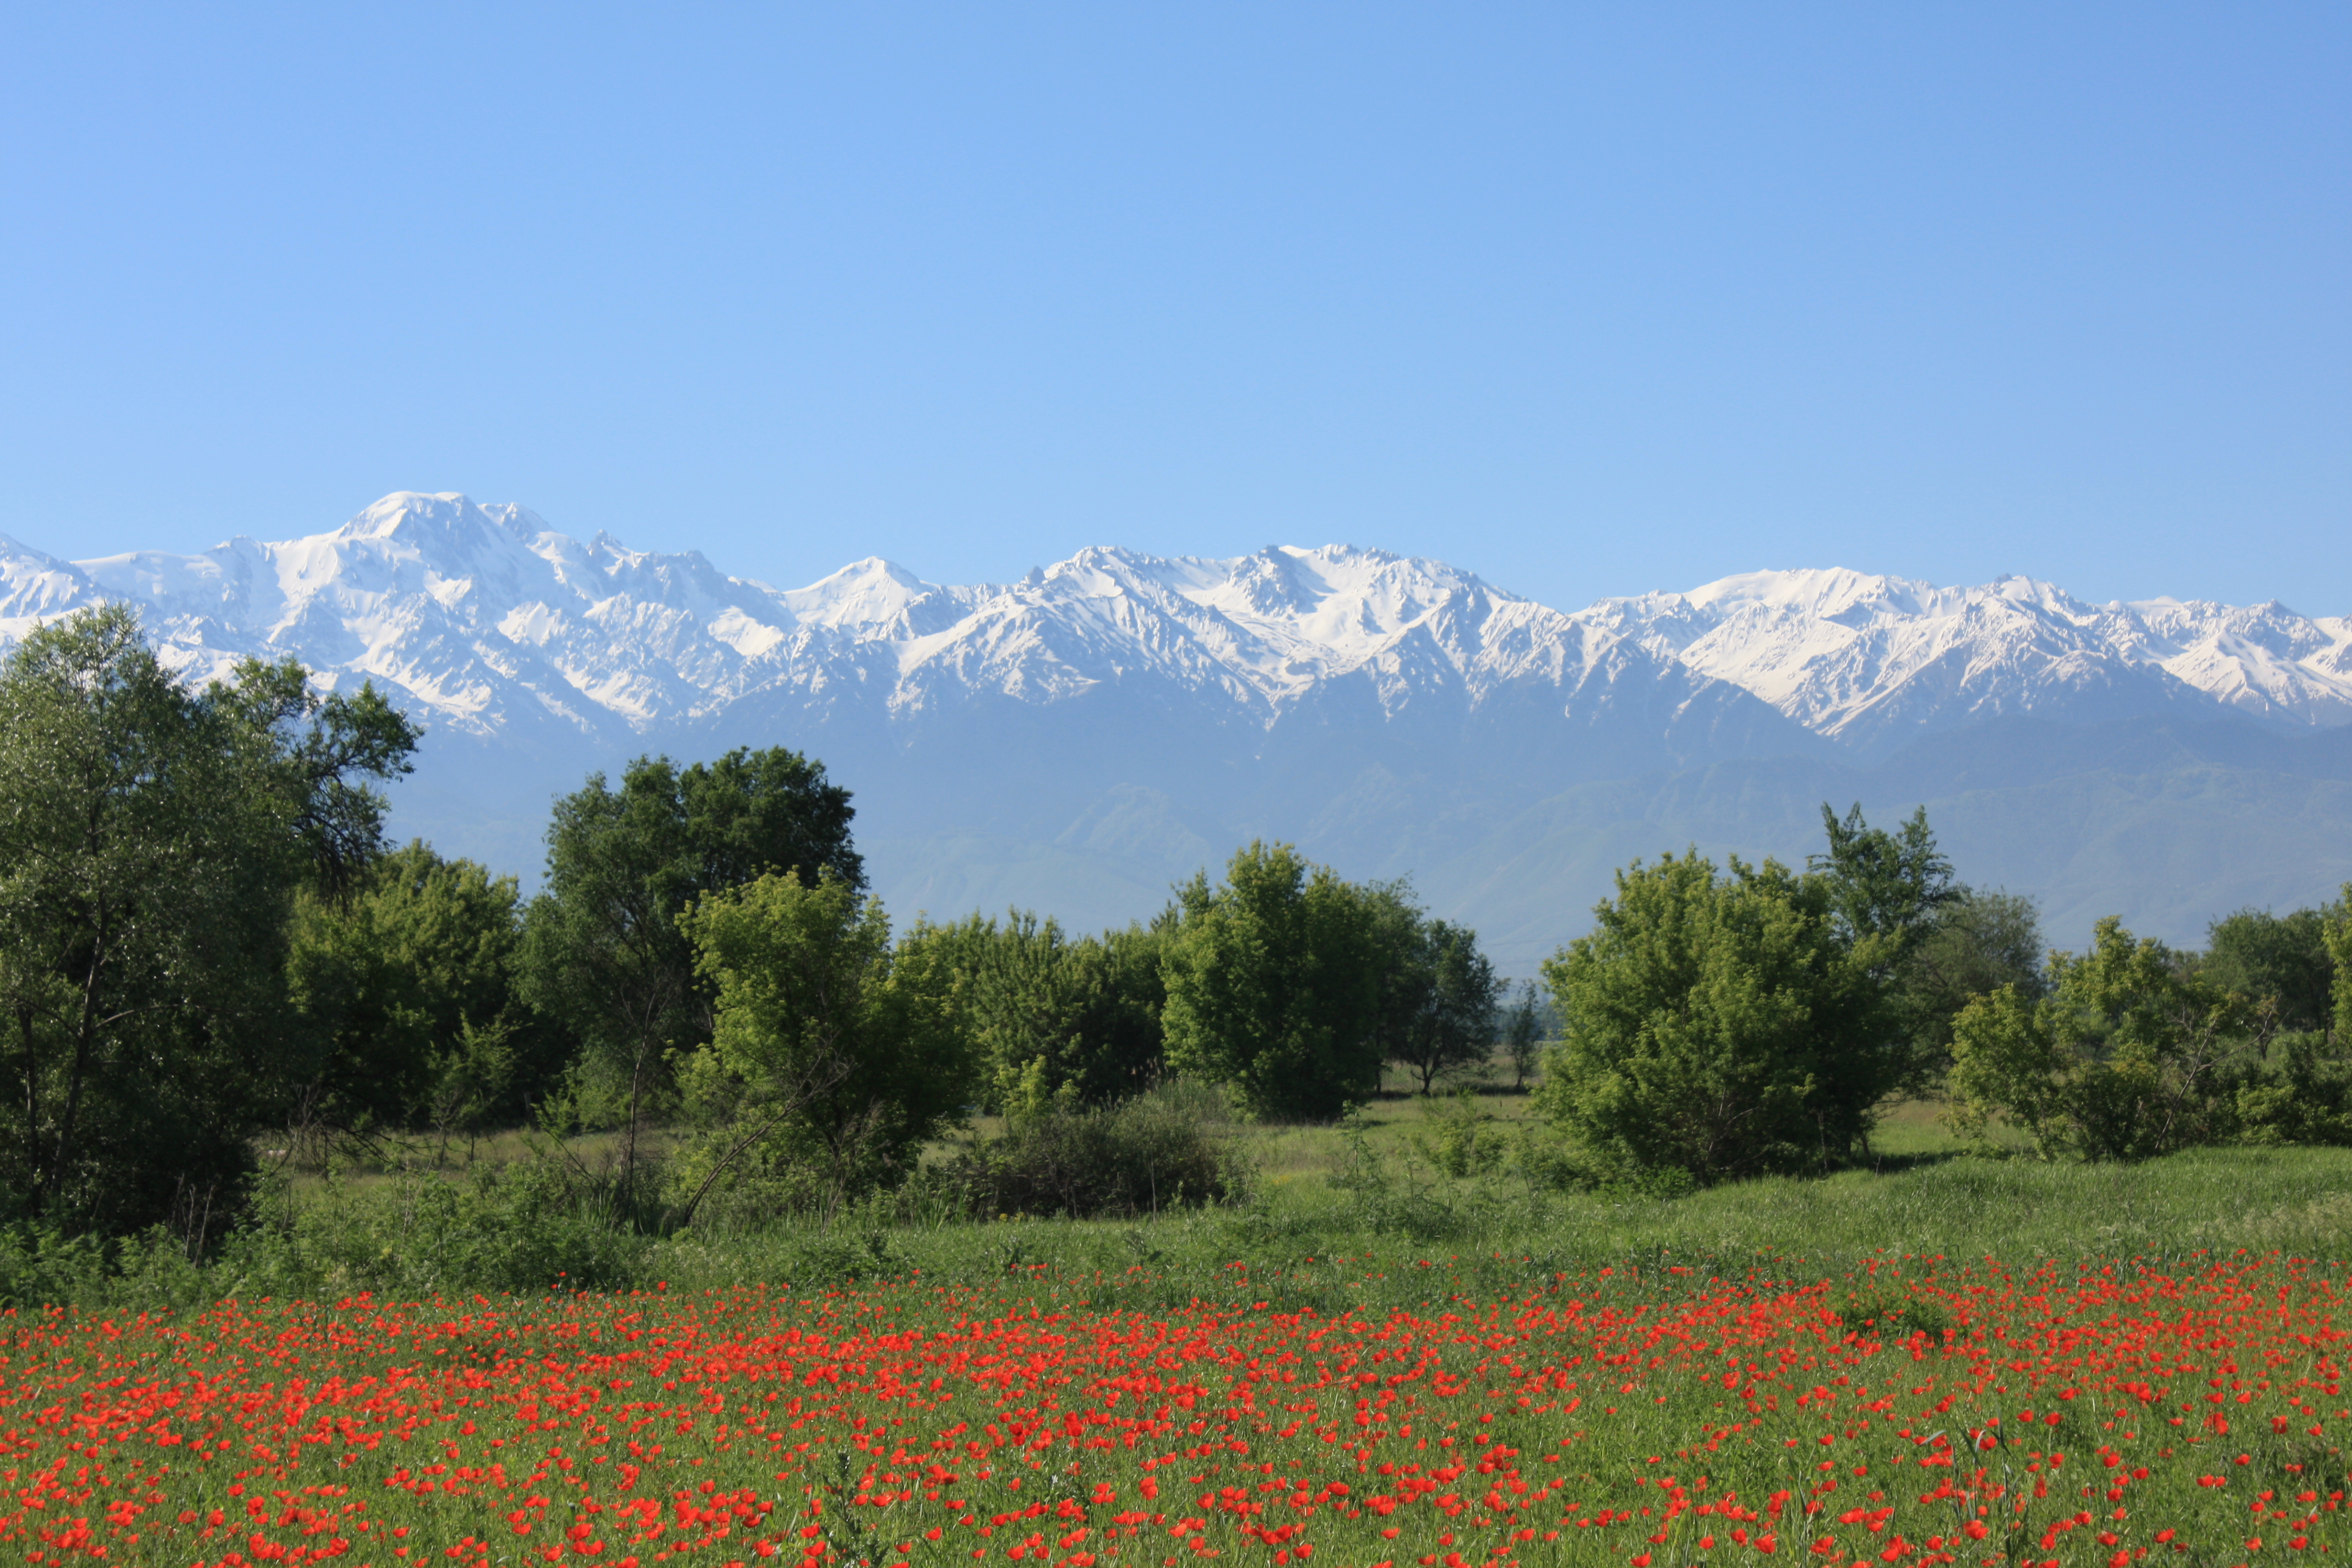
872,593
491,621
1872,659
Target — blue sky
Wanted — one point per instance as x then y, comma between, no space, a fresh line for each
1589,300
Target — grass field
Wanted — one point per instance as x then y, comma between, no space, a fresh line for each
1942,1358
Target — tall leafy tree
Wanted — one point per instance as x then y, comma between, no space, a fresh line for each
2279,959
1274,986
406,982
1977,943
1933,943
602,952
1715,1026
1882,884
2337,933
834,1058
1520,1029
1440,994
153,839
1056,1021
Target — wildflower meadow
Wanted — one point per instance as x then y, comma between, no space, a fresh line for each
1915,1410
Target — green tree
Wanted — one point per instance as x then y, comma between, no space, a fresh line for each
834,1059
1056,1021
406,984
1716,1026
1892,894
1882,884
1976,944
1521,1032
2127,1056
2280,959
151,841
603,955
1274,986
2337,934
1442,995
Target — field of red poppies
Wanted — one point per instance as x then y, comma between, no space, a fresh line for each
1922,1412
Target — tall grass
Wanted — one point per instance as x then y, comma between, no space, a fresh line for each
1405,1237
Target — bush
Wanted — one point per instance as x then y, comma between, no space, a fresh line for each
2301,1094
1155,1152
1715,1027
1460,1138
2129,1055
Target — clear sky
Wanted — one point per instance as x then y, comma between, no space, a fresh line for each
1588,299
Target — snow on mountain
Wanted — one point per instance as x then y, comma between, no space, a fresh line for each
1077,738
489,622
1873,660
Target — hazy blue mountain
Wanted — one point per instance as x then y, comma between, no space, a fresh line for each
1077,739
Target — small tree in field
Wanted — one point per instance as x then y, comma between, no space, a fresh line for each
1274,986
1442,996
832,1061
1716,1026
1521,1031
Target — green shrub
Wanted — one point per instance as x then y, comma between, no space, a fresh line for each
1461,1139
1716,1026
2301,1094
2129,1055
1152,1153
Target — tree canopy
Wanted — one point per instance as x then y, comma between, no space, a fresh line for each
834,1057
1275,986
153,839
603,952
1717,1026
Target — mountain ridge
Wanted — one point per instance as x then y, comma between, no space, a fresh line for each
1114,712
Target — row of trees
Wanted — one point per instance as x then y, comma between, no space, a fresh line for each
2133,1049
1725,1023
204,938
203,935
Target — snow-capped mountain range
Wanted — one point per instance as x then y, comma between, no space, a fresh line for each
482,617
530,656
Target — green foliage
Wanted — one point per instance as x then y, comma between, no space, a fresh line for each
1520,1029
405,985
1438,996
1154,1151
1461,1139
1053,1020
603,954
152,840
2280,959
1882,884
1386,1201
2337,934
530,1226
834,1057
2128,1056
1274,986
2301,1094
1976,944
1921,934
1716,1026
